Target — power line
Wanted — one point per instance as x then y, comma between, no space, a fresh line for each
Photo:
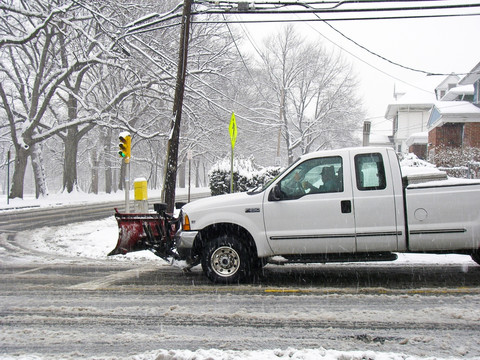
402,17
428,73
243,7
199,93
366,63
142,28
255,8
244,64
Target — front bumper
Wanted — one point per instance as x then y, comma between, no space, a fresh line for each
184,242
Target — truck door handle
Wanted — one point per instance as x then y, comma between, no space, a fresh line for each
346,206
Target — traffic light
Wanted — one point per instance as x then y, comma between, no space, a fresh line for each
125,146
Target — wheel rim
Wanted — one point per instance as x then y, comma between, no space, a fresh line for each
225,261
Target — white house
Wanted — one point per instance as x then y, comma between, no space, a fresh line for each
410,115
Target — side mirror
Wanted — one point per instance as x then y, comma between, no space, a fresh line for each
275,194
160,207
180,204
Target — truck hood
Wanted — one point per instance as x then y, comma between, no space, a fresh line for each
216,203
240,208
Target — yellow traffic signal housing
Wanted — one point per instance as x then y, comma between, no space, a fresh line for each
125,146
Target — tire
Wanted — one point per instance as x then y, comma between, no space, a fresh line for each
476,257
225,260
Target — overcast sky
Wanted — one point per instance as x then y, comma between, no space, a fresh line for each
437,45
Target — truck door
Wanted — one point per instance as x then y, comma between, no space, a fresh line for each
374,202
310,211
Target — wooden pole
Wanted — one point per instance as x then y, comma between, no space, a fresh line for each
174,139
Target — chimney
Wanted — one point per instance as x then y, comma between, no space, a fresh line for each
366,133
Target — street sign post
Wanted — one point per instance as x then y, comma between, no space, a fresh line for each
232,128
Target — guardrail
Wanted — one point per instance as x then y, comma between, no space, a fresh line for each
30,218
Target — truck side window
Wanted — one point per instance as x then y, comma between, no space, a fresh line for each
320,175
370,172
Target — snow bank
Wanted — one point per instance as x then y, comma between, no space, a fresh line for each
216,354
93,240
79,197
290,353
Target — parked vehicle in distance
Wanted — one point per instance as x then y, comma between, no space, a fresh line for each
343,205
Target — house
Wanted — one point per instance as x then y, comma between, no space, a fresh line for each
446,117
473,78
410,114
377,132
450,82
454,124
455,121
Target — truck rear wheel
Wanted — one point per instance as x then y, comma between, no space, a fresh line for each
225,260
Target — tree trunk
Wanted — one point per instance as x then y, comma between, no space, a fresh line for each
196,165
95,162
121,178
39,171
21,158
107,160
70,180
181,175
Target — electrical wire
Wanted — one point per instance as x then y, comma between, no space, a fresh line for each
242,7
199,93
428,73
140,25
403,17
367,63
244,64
140,29
307,8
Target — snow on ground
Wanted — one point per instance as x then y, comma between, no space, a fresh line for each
276,354
77,197
94,239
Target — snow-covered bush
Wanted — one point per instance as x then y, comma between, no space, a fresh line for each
412,160
458,162
246,175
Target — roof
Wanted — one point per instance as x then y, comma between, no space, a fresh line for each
453,112
454,93
417,138
450,79
379,139
472,77
411,102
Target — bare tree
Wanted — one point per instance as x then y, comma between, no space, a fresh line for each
32,73
313,90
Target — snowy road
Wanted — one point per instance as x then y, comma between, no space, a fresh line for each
99,310
61,298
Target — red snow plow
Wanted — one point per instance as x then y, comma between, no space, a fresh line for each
152,231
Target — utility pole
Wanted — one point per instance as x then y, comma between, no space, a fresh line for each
168,193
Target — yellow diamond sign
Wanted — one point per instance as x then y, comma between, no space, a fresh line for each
233,130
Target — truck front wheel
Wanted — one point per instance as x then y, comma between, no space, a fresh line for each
225,260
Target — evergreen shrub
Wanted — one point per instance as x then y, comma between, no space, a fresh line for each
246,175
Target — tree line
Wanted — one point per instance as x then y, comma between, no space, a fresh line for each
72,79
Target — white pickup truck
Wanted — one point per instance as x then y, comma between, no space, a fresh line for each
339,205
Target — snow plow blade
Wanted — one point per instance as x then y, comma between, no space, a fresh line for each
145,232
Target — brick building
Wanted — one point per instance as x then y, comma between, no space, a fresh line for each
456,123
448,117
